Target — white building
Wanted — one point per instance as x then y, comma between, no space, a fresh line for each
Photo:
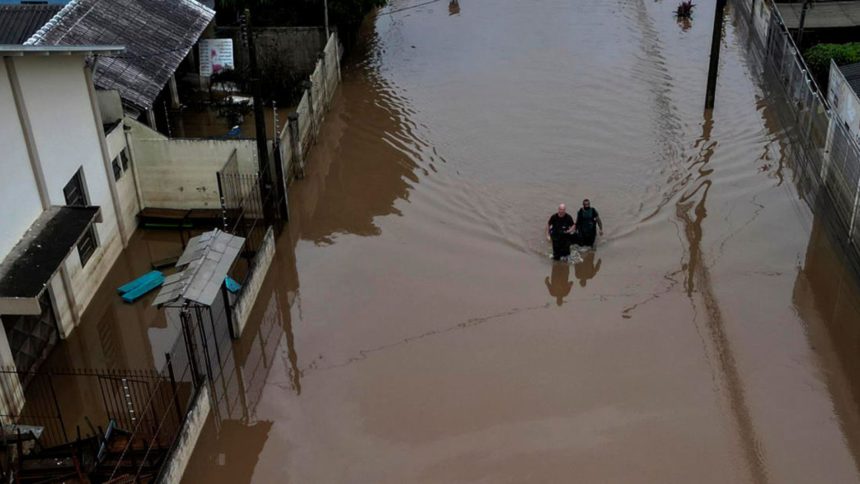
66,195
842,95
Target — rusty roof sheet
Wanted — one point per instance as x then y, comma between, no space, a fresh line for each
19,22
158,34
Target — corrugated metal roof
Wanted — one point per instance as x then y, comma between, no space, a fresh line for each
157,34
207,260
19,22
852,75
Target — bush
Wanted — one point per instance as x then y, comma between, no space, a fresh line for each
818,58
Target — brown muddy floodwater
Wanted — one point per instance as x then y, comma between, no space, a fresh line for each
413,329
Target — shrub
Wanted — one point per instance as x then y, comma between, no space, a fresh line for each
818,58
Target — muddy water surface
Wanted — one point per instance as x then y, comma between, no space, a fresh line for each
413,329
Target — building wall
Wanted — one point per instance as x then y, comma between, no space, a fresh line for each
127,185
181,173
19,197
844,101
64,127
289,52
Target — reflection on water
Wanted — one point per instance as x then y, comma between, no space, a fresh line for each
403,317
559,283
454,7
587,269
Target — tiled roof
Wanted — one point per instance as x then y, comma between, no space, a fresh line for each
157,34
19,22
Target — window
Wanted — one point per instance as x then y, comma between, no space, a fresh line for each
117,171
88,244
74,191
124,156
76,196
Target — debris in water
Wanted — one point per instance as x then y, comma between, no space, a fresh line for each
685,10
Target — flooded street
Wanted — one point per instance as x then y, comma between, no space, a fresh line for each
414,329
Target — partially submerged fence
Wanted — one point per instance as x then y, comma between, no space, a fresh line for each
97,424
828,162
304,124
251,210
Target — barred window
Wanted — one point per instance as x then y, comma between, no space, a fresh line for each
117,171
88,244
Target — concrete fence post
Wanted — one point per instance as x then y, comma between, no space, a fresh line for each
852,224
336,49
296,145
324,78
308,85
828,149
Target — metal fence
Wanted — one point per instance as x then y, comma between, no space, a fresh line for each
247,207
97,425
828,161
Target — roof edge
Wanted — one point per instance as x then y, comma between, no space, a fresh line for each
10,50
39,35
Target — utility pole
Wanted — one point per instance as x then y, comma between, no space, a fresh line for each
716,40
325,10
259,118
806,5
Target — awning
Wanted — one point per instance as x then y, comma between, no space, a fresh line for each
30,265
207,260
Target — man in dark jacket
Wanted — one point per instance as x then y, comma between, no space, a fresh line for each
559,229
587,223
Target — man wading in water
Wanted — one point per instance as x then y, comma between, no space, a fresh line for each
559,230
586,219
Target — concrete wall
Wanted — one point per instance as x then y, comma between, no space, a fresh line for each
181,173
177,461
281,51
19,197
251,287
110,105
313,105
843,100
127,185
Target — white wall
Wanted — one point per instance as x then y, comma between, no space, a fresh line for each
64,127
181,173
844,101
19,196
126,186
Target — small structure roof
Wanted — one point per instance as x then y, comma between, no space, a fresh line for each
30,265
206,260
19,22
821,15
852,75
157,34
